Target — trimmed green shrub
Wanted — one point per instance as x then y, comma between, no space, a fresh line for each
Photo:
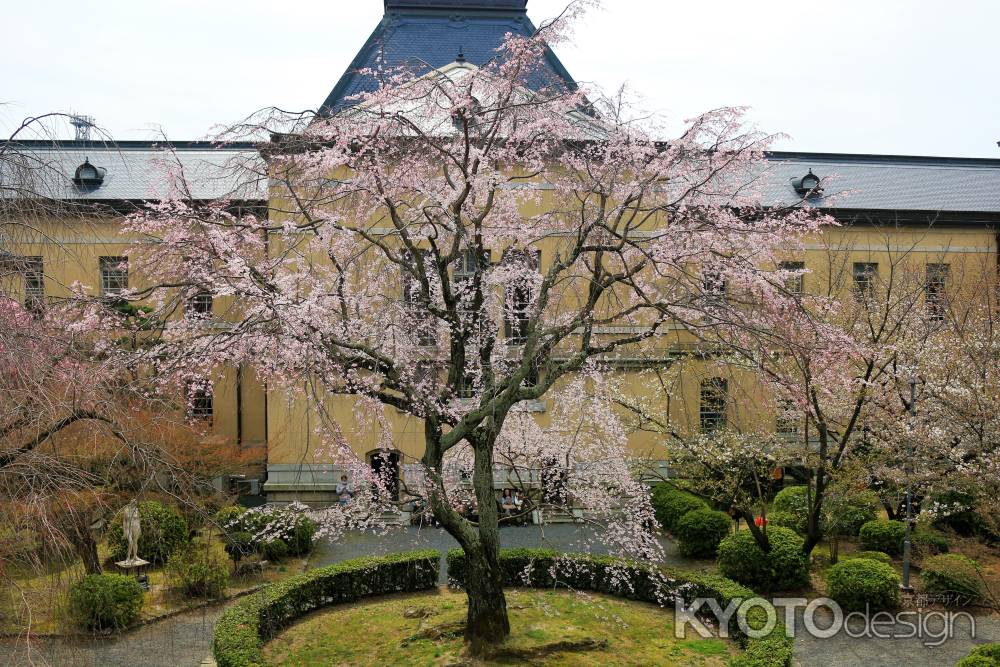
162,531
794,500
670,504
242,629
858,583
700,531
105,601
883,535
929,542
197,571
873,555
785,519
986,655
784,567
542,568
954,575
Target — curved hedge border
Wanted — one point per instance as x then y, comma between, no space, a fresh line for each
243,629
536,567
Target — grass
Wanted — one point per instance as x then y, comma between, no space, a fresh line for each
37,600
547,628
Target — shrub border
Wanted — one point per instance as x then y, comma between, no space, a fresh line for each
635,581
242,630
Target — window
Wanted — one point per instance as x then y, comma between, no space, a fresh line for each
794,284
467,265
864,274
421,321
935,293
712,412
467,385
200,304
517,307
787,418
34,284
714,285
199,401
114,275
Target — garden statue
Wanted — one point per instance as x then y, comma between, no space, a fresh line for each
131,527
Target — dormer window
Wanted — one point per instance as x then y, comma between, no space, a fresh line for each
88,176
808,185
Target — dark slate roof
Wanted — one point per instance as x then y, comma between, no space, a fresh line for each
142,170
888,182
481,5
429,34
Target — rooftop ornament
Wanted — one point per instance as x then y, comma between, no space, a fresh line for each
808,185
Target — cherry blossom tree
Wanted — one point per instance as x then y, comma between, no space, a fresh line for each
459,246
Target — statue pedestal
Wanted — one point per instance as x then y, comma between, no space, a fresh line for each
137,568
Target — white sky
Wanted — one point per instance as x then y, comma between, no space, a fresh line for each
918,77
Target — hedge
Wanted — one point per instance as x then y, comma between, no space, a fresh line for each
243,629
542,568
985,655
670,504
872,555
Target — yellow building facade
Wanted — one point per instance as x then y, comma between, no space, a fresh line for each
935,218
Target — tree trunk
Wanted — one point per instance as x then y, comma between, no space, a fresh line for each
88,554
486,622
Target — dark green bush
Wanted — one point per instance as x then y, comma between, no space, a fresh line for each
954,575
273,550
858,583
542,568
784,567
227,516
269,524
848,515
197,571
790,509
700,531
873,555
301,541
242,629
883,535
965,521
986,655
927,542
163,530
239,545
670,504
105,601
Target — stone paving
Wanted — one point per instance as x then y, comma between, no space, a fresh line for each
185,640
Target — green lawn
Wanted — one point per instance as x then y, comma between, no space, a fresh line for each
548,628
